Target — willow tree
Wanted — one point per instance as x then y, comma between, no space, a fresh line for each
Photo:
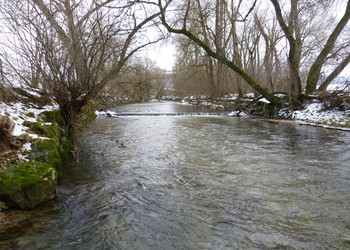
84,44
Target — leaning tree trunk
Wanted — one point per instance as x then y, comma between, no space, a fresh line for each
315,70
334,74
274,100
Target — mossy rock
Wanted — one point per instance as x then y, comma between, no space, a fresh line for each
31,114
54,117
47,151
87,116
51,131
27,185
65,147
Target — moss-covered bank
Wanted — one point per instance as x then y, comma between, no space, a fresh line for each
29,184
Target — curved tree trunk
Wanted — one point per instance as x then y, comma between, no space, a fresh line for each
221,58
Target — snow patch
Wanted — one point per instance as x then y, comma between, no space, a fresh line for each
19,113
314,113
264,100
238,114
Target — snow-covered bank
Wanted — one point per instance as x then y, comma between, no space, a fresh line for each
21,110
20,113
314,113
34,144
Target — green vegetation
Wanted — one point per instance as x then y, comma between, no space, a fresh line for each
27,185
54,149
54,117
47,151
14,178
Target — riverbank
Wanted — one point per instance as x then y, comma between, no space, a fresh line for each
34,144
321,112
21,113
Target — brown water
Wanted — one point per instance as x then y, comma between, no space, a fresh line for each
198,182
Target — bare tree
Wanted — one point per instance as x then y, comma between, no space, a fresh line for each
183,27
334,73
84,45
298,30
315,69
292,32
140,79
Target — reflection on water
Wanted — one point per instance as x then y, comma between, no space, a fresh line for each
210,182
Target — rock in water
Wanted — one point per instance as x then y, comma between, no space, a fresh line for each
27,185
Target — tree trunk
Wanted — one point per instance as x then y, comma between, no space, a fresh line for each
315,70
294,50
335,73
250,81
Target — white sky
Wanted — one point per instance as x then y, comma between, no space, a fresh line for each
163,55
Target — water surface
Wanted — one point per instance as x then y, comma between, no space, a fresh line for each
200,182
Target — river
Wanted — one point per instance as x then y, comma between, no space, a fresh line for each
198,182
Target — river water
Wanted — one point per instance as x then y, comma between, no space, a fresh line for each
199,182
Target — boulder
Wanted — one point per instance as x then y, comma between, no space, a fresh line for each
6,128
27,185
47,151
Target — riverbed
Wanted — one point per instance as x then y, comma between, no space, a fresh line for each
203,181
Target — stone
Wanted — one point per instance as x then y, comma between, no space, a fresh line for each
54,117
47,151
27,185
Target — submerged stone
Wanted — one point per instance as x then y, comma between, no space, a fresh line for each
27,185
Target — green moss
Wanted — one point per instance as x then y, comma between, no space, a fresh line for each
54,117
31,114
14,178
86,117
51,131
47,151
26,185
89,113
53,150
